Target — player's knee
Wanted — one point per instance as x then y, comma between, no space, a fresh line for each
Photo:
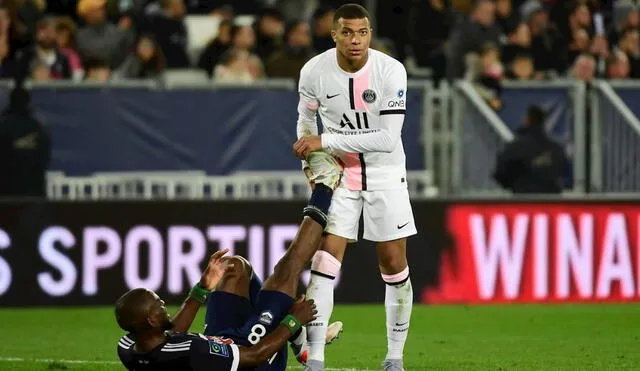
239,275
392,263
241,267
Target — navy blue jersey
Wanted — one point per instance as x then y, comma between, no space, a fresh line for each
181,352
235,317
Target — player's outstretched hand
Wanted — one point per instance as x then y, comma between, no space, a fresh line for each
218,265
304,310
306,145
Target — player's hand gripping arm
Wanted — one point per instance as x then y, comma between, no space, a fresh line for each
216,268
302,312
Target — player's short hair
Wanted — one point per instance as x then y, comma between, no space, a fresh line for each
350,11
536,115
131,307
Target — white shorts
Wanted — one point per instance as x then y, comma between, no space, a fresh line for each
387,214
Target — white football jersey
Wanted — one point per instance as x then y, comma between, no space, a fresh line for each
362,115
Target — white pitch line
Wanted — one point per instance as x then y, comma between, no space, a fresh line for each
98,362
50,360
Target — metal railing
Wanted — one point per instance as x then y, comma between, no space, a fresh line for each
196,185
480,135
615,142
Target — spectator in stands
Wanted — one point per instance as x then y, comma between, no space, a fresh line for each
532,163
584,68
506,18
98,70
234,67
579,18
66,39
170,32
485,71
39,71
430,23
146,62
630,45
45,51
580,44
244,38
100,39
25,149
25,15
216,47
269,28
289,60
618,66
521,68
471,35
548,46
627,16
322,26
518,42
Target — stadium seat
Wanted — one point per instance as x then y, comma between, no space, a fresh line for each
188,77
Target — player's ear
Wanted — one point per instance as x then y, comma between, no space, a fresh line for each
333,35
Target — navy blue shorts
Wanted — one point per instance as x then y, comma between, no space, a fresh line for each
232,316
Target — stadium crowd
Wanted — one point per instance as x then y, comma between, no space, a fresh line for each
482,40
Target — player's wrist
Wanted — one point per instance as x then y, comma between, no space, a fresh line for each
291,323
199,293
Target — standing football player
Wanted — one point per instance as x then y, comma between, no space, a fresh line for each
360,95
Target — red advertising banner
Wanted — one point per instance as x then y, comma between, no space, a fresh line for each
540,252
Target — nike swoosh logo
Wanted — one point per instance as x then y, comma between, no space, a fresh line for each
401,324
332,96
402,226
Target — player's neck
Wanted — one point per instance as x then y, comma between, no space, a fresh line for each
351,67
149,341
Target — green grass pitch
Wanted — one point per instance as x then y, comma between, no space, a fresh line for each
515,337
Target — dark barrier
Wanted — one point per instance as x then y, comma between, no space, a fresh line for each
483,252
218,131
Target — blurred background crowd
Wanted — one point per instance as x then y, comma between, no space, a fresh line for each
245,40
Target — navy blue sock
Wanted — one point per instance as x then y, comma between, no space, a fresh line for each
255,285
319,203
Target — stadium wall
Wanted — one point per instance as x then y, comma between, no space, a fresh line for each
473,252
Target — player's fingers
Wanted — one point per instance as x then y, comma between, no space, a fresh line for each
300,299
219,254
298,144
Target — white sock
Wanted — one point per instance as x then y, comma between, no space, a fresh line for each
398,303
324,269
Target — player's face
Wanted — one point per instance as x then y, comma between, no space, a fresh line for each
352,38
159,315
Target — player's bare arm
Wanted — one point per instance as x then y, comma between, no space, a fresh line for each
302,312
216,268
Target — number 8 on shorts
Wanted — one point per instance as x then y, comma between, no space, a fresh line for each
258,331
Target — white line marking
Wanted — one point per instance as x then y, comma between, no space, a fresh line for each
50,360
98,362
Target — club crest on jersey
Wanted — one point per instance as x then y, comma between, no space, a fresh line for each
217,349
266,318
369,96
